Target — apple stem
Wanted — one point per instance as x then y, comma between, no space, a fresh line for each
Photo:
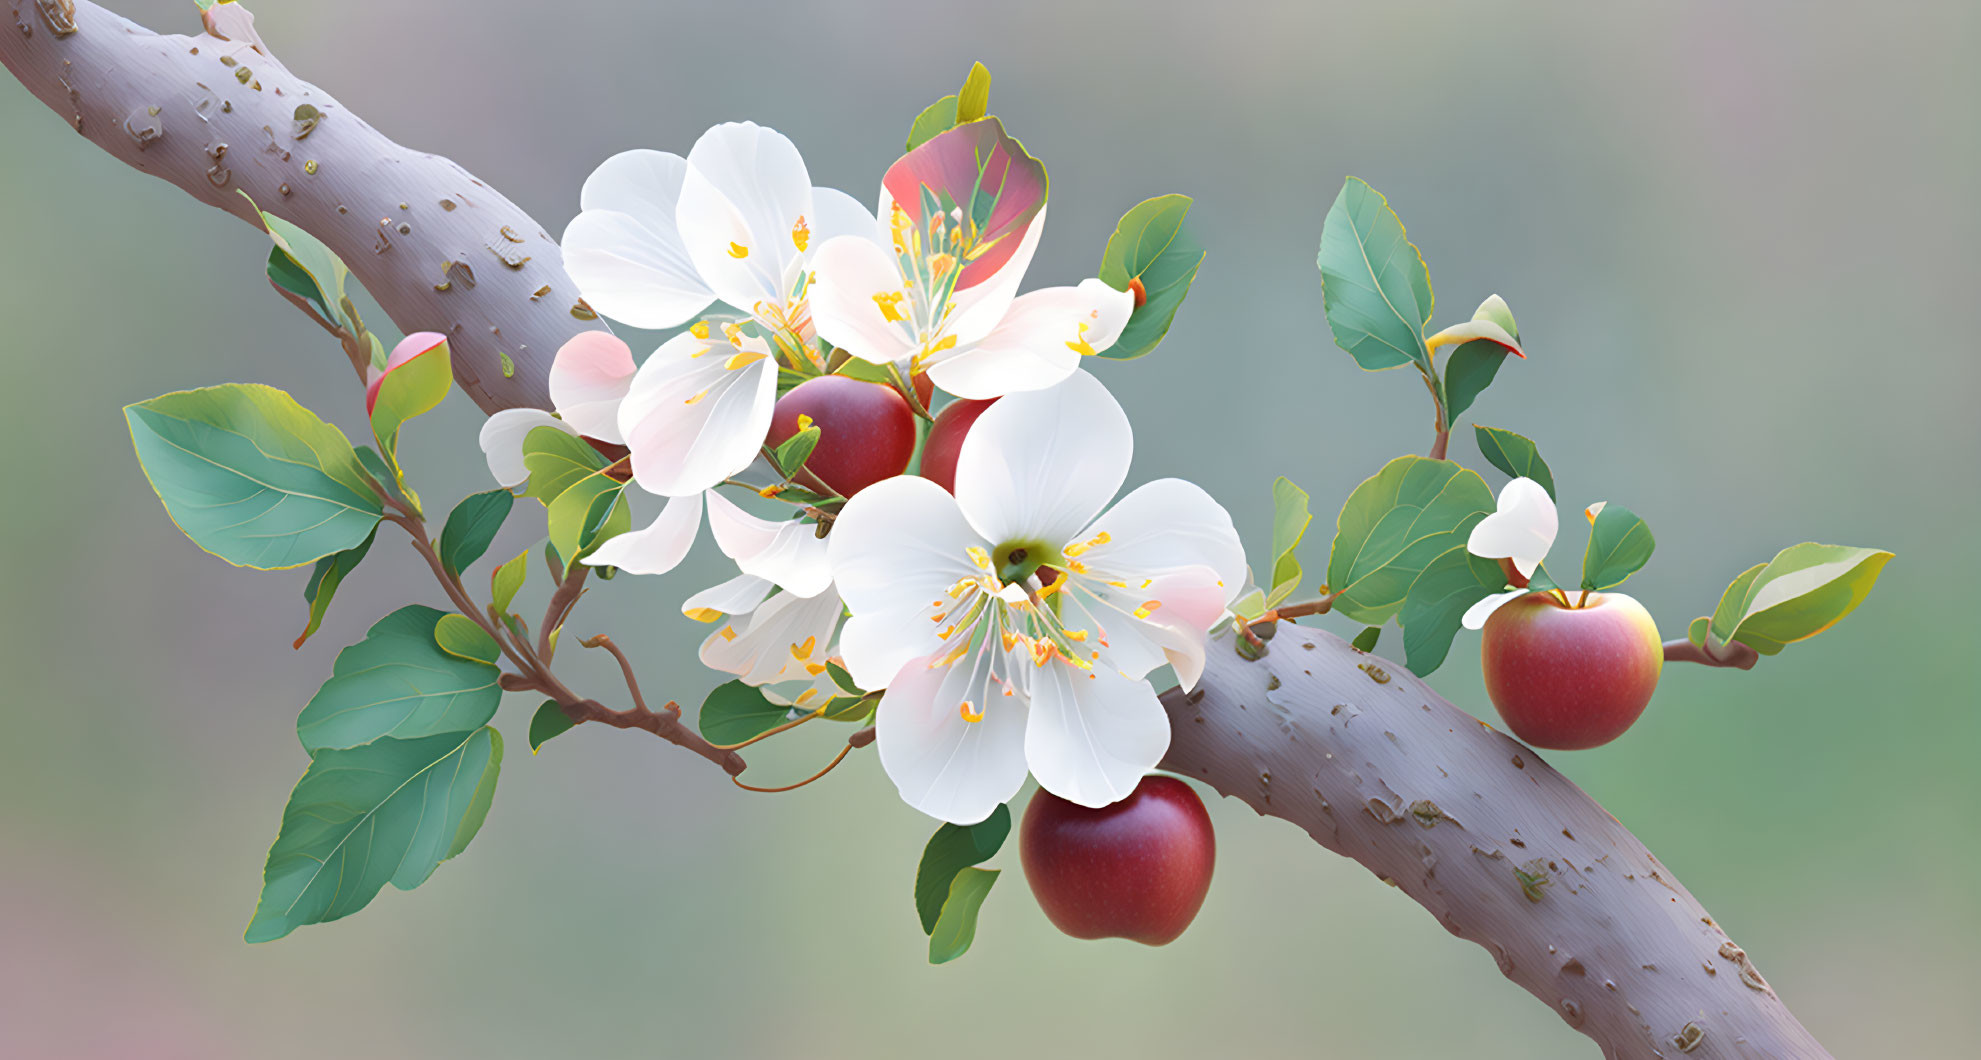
1583,600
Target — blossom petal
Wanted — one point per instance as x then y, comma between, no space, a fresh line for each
1038,343
746,203
1094,734
624,250
1165,526
780,640
1523,529
1039,466
975,311
588,380
896,550
789,553
697,412
737,596
949,768
1142,624
850,272
502,441
1476,615
659,547
974,162
840,214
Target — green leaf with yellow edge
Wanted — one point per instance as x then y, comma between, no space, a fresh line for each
1514,454
549,721
411,388
457,635
329,574
399,682
1150,245
1375,287
589,513
251,476
507,580
934,120
791,454
953,848
735,712
1290,519
556,461
472,525
973,102
1391,528
389,811
1434,610
302,265
1471,367
1804,590
956,928
1620,544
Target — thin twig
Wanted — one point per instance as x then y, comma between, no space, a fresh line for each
625,667
829,767
1732,654
360,358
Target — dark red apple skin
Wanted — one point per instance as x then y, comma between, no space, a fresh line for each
1570,678
1138,869
867,431
946,436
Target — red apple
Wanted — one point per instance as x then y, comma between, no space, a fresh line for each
1137,869
946,436
1567,678
867,431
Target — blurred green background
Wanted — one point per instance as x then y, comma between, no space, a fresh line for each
1734,235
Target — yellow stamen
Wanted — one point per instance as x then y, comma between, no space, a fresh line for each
801,234
1147,607
1080,345
815,669
1076,635
940,265
772,490
698,397
738,251
728,632
969,715
980,557
804,651
889,303
699,329
806,695
704,614
742,358
1077,548
804,422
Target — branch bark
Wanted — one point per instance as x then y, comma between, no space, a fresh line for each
1502,849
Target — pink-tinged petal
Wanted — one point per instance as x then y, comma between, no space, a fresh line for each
1141,624
746,205
944,765
697,412
1093,735
1161,527
1039,466
1038,343
588,379
1475,329
1523,529
502,442
975,160
848,273
659,547
974,312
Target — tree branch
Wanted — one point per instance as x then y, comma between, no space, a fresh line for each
1479,830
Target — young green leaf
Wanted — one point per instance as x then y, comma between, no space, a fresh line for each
549,720
791,454
1151,247
1514,454
408,388
956,928
329,574
471,526
1619,544
1375,287
1468,372
459,636
398,682
1432,613
389,811
1365,641
973,102
555,461
736,712
953,848
590,512
1393,525
1803,591
1290,519
251,476
507,580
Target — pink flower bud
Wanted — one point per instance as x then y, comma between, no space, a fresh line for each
409,347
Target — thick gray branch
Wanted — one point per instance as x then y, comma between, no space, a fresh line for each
1369,761
440,250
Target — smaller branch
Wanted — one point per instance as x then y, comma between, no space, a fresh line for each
1734,654
1442,442
1320,605
625,667
665,723
569,588
829,767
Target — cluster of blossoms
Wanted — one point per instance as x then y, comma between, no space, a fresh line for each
1012,623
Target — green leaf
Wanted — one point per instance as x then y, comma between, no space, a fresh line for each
302,265
587,514
1290,519
934,120
953,848
1803,591
850,708
507,580
956,929
1514,454
1468,372
251,476
329,574
1391,528
1619,544
1365,641
1150,244
550,720
387,812
1733,604
398,683
471,526
555,461
736,712
408,389
974,101
1434,610
841,677
1375,287
457,635
1696,632
791,454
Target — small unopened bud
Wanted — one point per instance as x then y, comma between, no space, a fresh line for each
409,347
1140,291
